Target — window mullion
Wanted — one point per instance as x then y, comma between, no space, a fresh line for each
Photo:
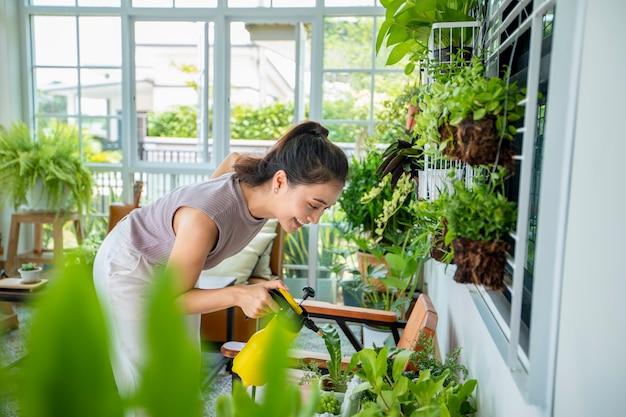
528,150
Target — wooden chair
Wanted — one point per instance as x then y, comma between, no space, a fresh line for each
423,318
117,211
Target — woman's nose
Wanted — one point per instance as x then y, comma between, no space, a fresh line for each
314,218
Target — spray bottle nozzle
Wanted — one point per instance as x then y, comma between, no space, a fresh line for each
308,323
307,292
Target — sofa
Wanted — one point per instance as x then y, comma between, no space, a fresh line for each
261,259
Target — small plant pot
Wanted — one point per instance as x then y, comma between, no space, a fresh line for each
352,293
30,276
376,336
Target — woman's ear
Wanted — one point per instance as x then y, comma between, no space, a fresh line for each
279,181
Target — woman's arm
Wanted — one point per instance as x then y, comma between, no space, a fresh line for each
196,235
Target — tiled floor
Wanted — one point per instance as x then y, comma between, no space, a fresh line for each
12,348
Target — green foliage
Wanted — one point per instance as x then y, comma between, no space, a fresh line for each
29,266
425,359
364,201
463,91
268,122
68,371
408,24
338,376
388,390
83,254
177,123
53,157
168,337
481,212
328,403
349,39
475,95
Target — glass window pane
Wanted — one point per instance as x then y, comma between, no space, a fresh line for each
99,3
350,3
101,139
169,67
346,132
96,49
249,3
195,3
49,33
153,3
263,80
56,91
346,96
101,92
293,3
53,2
348,42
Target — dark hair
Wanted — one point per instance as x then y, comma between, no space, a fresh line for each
304,153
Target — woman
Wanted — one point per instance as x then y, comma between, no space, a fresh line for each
195,227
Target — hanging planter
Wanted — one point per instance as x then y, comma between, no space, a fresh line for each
484,111
479,262
479,217
478,143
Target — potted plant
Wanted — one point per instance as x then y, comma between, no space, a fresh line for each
482,112
388,389
373,217
479,219
408,25
46,172
29,272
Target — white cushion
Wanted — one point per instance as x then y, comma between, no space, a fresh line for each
253,260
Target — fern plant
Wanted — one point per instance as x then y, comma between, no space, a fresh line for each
51,158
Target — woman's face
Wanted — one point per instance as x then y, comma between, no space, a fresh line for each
304,204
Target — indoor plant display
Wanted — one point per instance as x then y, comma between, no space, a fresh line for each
389,390
30,273
373,217
483,112
478,221
408,25
48,162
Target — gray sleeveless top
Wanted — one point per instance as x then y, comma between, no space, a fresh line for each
151,226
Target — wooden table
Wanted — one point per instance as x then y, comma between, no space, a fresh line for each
38,253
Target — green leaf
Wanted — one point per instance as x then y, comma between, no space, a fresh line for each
167,338
480,113
399,51
68,371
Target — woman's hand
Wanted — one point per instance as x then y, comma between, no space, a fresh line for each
256,301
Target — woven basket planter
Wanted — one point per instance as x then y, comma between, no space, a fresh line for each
479,262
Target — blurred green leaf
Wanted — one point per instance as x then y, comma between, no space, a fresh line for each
67,372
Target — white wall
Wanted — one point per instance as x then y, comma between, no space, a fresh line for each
591,361
460,324
589,318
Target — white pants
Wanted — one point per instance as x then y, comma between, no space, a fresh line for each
122,278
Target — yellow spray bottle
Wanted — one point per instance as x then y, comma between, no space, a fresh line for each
252,364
